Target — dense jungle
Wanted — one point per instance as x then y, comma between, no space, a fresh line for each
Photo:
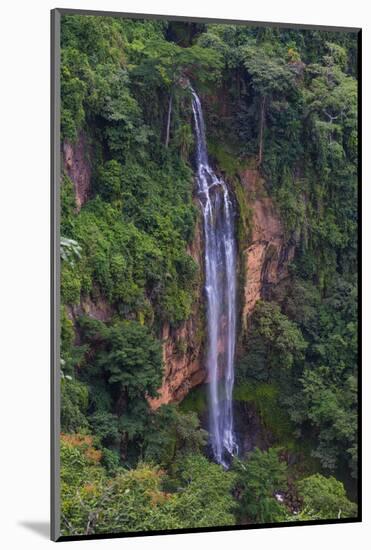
280,115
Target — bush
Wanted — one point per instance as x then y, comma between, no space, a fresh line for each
74,405
259,478
325,498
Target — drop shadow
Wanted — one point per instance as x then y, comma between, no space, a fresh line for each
42,528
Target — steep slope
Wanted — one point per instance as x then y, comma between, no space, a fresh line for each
268,255
266,261
77,166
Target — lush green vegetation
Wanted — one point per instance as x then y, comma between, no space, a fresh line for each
282,102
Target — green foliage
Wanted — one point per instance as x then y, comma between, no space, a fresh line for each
160,439
136,503
195,400
258,480
274,343
68,205
105,426
292,105
74,70
205,498
324,498
326,395
70,250
269,73
278,101
109,181
127,261
125,128
70,285
67,332
134,500
129,360
134,246
129,355
74,405
317,341
92,503
266,399
110,460
190,437
184,140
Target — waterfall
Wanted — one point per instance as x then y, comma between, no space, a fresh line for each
220,288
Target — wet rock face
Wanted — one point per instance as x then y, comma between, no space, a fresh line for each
78,168
183,364
268,255
99,308
249,430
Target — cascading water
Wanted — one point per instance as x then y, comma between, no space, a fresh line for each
220,287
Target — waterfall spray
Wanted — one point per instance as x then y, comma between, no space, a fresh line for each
220,289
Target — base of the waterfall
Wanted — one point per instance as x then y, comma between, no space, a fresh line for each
226,458
249,433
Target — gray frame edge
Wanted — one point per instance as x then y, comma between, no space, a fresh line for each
190,18
55,274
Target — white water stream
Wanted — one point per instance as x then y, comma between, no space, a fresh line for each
220,286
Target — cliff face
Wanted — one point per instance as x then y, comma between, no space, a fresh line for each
99,308
78,168
183,347
266,261
268,254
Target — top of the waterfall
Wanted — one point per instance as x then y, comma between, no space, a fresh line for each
184,82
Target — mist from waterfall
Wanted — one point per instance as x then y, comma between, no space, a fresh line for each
220,288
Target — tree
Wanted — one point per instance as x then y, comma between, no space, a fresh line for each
125,128
272,79
204,496
171,434
70,250
324,498
131,357
325,395
93,503
134,500
75,76
109,184
74,405
273,344
259,478
130,360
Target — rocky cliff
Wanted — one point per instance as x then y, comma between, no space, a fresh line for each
268,254
183,346
77,165
266,260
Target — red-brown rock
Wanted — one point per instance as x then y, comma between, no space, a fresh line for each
78,168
